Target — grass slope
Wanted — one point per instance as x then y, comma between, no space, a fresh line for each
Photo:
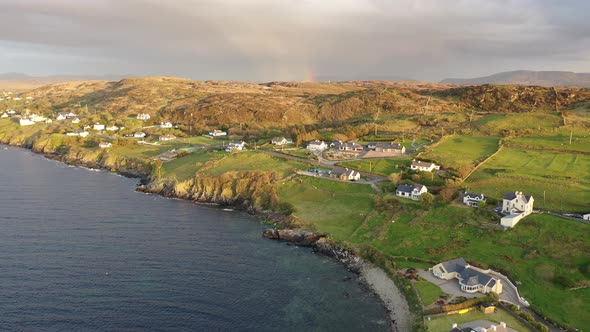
458,151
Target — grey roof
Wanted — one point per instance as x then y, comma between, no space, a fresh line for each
510,196
404,188
472,277
350,172
474,195
421,163
455,265
389,145
418,187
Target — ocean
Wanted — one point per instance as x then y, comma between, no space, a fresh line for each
81,250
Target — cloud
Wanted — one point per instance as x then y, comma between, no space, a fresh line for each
285,39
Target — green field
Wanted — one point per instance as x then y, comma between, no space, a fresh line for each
429,292
255,161
580,142
495,123
459,151
185,167
382,166
564,177
444,323
336,208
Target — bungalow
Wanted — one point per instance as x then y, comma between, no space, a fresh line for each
78,133
412,192
75,120
217,133
167,137
104,145
25,122
61,116
586,216
317,146
235,145
517,206
112,128
281,141
165,125
347,175
390,147
17,98
29,98
139,134
98,126
351,147
424,166
473,199
11,112
4,115
37,118
143,116
471,279
335,144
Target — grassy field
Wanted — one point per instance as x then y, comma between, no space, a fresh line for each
185,167
301,153
429,292
458,151
497,122
382,166
580,142
255,161
444,324
564,178
336,208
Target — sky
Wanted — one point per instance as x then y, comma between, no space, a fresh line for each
297,40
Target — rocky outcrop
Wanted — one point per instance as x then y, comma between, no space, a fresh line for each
301,238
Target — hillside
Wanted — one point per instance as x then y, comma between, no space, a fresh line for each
207,104
527,77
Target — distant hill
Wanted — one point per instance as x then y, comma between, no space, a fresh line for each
527,77
21,81
347,77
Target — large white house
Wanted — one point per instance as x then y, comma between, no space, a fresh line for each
471,279
235,145
167,137
143,116
317,145
25,122
412,192
473,199
586,216
424,166
105,145
112,128
517,206
165,125
139,134
281,141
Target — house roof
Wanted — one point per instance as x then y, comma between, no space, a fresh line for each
473,277
391,145
404,188
513,195
350,172
278,139
455,265
421,164
418,187
316,142
474,196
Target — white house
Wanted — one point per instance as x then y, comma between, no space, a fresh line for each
4,115
98,126
25,122
517,206
281,141
61,117
424,166
586,216
317,145
143,116
75,120
235,145
217,133
471,279
29,98
139,135
112,128
105,145
16,98
11,112
167,137
165,125
412,192
78,133
37,118
347,175
473,199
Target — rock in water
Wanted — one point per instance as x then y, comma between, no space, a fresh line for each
301,238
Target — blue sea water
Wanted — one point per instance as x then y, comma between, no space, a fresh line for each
81,251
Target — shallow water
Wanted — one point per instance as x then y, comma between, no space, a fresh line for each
80,250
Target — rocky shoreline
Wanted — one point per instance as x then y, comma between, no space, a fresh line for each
377,281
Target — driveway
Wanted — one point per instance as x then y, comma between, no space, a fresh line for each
448,286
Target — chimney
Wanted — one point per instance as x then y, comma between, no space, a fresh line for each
503,324
455,325
493,327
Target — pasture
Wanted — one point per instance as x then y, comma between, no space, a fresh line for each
254,161
563,178
459,151
381,166
495,123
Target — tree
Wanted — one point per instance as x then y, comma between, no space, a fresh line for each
426,199
447,194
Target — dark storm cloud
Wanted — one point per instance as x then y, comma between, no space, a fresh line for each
272,39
